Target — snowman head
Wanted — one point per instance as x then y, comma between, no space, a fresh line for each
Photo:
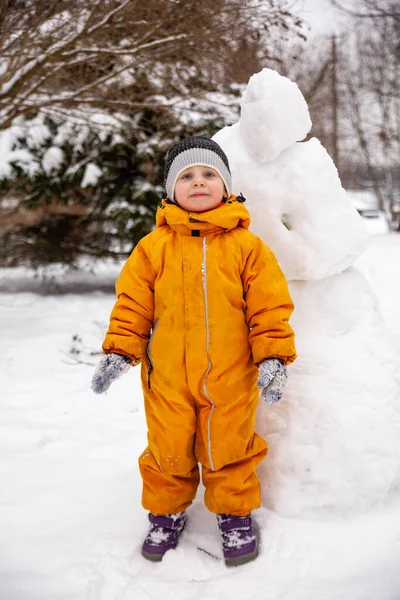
295,197
274,115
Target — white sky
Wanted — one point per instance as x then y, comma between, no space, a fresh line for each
320,15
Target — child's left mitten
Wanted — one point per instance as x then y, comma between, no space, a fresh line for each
110,368
272,377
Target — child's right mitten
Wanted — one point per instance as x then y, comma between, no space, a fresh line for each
110,368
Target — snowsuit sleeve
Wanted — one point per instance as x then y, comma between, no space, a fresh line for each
132,316
268,306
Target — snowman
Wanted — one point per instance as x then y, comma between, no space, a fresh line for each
334,439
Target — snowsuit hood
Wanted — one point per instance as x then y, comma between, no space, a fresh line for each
225,217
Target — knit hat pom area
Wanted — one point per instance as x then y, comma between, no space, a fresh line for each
193,151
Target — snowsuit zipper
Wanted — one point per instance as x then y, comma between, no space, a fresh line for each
148,351
204,271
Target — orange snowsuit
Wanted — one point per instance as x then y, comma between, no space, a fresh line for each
201,301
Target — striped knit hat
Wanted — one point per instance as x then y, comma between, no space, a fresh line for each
195,151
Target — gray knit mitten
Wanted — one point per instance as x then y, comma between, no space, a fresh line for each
110,368
272,376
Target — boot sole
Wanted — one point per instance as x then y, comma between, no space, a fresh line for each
237,561
153,557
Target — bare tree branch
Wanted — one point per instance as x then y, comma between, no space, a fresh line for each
373,9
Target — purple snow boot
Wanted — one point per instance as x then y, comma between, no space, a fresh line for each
239,539
163,535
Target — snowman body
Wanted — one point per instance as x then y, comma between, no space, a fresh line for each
334,440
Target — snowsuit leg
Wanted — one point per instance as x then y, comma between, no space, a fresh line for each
168,466
229,451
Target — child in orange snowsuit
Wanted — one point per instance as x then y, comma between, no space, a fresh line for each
204,307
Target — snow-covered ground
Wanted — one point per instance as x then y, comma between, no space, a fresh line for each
71,521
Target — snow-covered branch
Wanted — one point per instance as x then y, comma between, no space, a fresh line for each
35,61
128,51
59,52
108,16
7,87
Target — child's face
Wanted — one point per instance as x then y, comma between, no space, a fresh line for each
199,188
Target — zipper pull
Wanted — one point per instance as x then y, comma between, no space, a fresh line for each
148,376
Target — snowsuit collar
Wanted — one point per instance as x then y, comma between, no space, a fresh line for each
223,218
